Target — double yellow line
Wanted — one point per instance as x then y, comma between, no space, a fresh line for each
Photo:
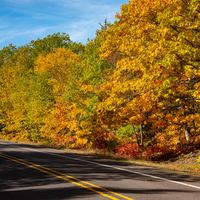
66,177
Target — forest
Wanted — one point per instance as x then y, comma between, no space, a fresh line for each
133,90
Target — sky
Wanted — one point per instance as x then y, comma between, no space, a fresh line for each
24,20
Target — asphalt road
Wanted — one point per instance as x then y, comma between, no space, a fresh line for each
35,173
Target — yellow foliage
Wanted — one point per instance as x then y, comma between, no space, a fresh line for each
58,64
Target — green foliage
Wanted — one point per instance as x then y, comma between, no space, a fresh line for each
51,42
7,54
127,131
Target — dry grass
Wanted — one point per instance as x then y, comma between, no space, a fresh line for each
185,163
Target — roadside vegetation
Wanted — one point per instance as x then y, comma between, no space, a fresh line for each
133,91
185,163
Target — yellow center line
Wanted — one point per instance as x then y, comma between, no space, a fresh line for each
40,168
79,184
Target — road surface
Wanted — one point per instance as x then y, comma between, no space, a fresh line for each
30,172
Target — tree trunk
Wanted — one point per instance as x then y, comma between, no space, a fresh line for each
141,137
135,134
187,133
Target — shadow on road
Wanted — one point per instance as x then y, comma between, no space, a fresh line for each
19,180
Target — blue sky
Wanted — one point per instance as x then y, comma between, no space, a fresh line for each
24,20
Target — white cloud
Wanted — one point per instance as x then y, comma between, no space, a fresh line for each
38,31
8,35
4,39
81,30
4,25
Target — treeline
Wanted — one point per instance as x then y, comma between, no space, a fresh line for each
133,90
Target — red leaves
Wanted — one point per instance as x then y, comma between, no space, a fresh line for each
128,148
104,140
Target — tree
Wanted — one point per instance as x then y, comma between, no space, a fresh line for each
58,64
156,79
52,42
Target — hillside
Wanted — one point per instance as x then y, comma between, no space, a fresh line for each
133,91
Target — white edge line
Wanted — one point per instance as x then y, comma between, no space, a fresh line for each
109,166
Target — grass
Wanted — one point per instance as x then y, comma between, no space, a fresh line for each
185,163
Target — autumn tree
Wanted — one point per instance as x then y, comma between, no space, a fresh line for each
25,94
156,81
